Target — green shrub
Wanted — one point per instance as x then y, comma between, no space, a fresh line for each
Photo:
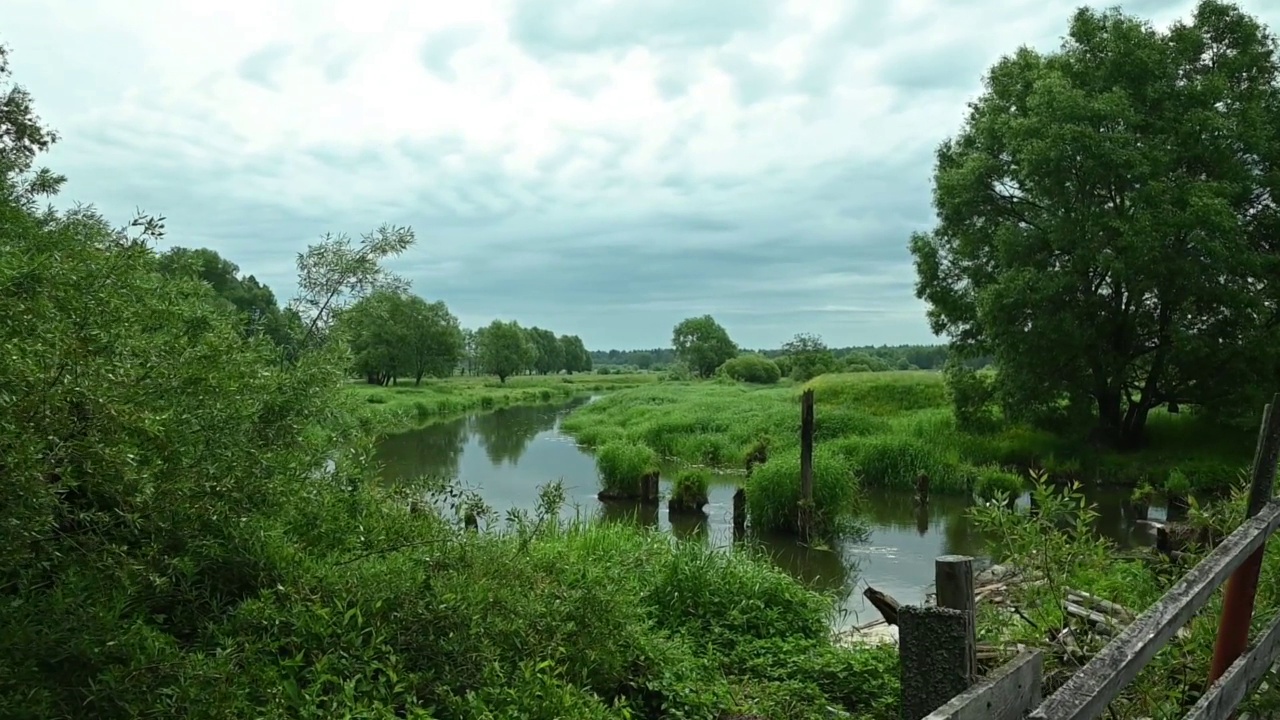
1177,484
622,466
773,492
689,490
995,483
971,394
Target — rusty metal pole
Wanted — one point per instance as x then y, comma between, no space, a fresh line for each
1242,586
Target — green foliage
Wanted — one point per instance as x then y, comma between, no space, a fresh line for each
996,483
548,353
971,394
752,368
1177,484
576,357
254,301
773,492
503,349
1104,223
689,490
393,334
622,465
1059,545
896,461
809,357
702,344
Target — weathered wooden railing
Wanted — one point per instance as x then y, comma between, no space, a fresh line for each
1013,690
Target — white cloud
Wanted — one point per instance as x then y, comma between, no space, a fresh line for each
520,137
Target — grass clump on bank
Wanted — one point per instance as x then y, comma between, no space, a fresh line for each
407,405
773,493
891,427
623,466
689,490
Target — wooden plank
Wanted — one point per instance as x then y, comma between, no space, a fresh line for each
1242,678
953,579
1008,693
1087,693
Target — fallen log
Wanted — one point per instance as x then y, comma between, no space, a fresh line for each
884,603
1094,602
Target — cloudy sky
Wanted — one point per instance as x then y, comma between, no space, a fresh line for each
598,167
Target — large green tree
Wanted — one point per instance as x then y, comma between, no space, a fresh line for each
548,353
503,349
809,355
702,344
576,357
433,338
1107,222
255,301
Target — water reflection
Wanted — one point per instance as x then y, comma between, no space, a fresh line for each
506,433
508,454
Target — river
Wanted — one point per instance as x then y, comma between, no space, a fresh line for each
506,454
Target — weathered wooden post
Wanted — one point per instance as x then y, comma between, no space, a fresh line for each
1242,586
739,514
953,578
805,511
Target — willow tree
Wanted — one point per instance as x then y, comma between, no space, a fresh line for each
1107,226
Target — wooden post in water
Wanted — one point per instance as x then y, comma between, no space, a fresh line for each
1242,586
805,517
739,514
953,576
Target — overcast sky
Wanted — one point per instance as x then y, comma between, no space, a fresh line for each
598,167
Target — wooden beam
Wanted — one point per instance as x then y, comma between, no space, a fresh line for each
1087,693
1008,693
1242,678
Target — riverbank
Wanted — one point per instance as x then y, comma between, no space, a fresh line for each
405,406
891,427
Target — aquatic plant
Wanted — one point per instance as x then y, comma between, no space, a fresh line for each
689,490
773,493
623,466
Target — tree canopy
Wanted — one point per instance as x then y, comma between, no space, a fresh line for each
1107,220
503,348
397,334
702,344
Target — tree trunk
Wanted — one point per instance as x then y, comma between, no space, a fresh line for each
502,378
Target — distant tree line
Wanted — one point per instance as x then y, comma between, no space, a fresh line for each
390,332
878,357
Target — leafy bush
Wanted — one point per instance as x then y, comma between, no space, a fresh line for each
971,394
752,368
773,492
623,465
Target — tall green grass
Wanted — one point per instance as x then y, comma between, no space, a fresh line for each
689,490
622,466
773,492
891,427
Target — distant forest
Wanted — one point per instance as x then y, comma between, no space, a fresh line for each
904,357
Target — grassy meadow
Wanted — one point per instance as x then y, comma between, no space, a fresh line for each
888,427
406,405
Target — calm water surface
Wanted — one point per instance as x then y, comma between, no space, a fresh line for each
506,454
